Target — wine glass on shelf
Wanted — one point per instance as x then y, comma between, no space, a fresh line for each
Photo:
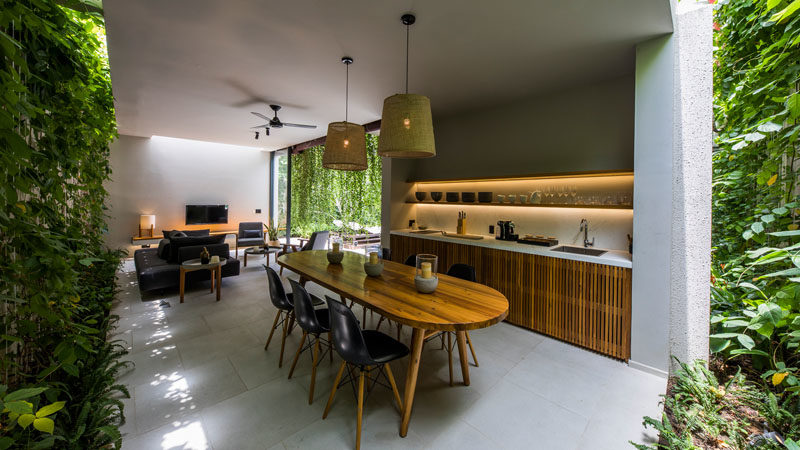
573,194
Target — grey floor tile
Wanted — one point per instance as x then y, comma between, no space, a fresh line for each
517,418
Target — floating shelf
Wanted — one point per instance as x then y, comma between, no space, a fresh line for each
523,205
544,176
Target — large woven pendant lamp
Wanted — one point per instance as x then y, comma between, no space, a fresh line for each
406,123
346,143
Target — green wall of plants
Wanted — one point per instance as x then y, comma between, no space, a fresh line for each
57,282
320,195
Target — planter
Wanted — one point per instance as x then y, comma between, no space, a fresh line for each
426,285
373,270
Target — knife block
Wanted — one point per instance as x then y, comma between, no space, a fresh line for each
461,228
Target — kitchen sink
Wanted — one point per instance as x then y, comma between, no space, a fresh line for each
578,250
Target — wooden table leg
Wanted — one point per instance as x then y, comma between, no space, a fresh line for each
245,258
461,337
219,281
417,340
183,282
303,281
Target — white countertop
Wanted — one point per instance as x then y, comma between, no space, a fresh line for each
611,257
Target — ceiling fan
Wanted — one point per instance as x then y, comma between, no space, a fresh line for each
275,122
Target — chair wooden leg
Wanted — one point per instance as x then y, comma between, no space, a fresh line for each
333,391
450,355
472,350
380,321
390,376
297,354
291,323
364,316
399,329
283,340
274,325
360,414
281,272
314,370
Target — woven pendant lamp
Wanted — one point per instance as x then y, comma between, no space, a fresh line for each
406,121
345,143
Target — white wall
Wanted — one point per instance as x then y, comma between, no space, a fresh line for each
162,175
652,204
588,127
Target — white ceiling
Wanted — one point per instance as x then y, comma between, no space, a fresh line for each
196,68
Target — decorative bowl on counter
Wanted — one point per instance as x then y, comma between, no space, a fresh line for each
468,197
436,196
485,197
421,196
452,197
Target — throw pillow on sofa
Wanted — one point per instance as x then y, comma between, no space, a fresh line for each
248,234
168,234
163,249
176,243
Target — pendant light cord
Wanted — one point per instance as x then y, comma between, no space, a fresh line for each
346,91
407,33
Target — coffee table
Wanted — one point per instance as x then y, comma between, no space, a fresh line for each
191,265
265,250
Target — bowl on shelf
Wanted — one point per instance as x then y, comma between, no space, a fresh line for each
485,197
452,197
468,197
436,196
421,196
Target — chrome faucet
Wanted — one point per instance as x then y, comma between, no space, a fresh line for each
585,229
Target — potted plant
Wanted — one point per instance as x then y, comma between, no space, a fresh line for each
272,231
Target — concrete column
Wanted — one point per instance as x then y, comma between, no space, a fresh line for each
691,181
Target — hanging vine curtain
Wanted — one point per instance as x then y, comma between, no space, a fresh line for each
320,196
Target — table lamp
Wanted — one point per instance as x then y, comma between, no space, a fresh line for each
147,222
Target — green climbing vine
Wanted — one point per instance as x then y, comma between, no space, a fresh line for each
57,281
320,196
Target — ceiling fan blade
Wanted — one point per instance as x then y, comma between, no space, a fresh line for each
259,115
266,125
297,125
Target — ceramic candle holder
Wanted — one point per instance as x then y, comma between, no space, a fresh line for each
373,270
335,257
426,285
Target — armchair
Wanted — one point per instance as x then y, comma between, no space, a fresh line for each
251,234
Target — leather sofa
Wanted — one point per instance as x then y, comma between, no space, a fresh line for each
155,272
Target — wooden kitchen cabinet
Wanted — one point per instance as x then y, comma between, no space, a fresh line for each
585,304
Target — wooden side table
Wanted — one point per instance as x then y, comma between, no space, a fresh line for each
191,265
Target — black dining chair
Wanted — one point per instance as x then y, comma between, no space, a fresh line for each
313,322
285,315
367,351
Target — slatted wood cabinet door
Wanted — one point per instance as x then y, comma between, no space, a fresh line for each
582,303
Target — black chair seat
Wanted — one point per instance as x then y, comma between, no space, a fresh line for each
324,319
316,301
244,242
383,348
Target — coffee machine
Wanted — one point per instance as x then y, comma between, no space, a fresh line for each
505,231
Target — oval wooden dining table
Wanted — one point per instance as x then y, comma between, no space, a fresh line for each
456,305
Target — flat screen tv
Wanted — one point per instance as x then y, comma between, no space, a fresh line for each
206,214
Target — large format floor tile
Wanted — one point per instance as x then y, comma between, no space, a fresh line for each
203,380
